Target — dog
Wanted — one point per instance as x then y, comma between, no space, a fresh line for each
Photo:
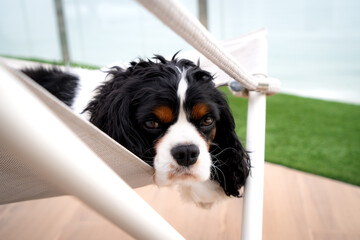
169,114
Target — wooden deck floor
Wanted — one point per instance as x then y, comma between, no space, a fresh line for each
296,206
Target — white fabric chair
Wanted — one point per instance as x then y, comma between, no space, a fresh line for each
46,150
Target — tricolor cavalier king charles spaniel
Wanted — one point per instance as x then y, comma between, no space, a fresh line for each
169,114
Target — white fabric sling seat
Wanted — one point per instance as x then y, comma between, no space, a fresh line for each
19,182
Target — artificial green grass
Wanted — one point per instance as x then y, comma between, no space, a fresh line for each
315,136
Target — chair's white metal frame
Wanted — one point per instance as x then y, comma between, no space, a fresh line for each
76,170
254,187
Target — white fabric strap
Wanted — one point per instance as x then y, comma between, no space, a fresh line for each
175,16
18,181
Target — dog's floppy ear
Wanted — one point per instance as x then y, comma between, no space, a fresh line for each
231,161
110,111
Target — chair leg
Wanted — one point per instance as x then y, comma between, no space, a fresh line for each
254,187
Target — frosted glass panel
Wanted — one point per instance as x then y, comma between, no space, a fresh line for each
28,29
102,32
312,44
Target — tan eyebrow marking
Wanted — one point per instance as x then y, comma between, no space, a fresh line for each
164,114
212,137
199,111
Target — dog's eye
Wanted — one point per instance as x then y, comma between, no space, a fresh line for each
207,121
152,124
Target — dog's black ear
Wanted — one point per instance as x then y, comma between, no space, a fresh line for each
110,111
231,161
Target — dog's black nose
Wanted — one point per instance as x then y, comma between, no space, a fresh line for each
185,155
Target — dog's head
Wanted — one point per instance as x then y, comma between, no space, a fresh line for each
170,114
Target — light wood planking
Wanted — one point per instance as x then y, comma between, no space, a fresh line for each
297,205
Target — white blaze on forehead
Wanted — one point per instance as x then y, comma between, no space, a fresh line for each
181,132
182,87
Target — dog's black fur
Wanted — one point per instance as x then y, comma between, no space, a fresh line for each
61,84
123,103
